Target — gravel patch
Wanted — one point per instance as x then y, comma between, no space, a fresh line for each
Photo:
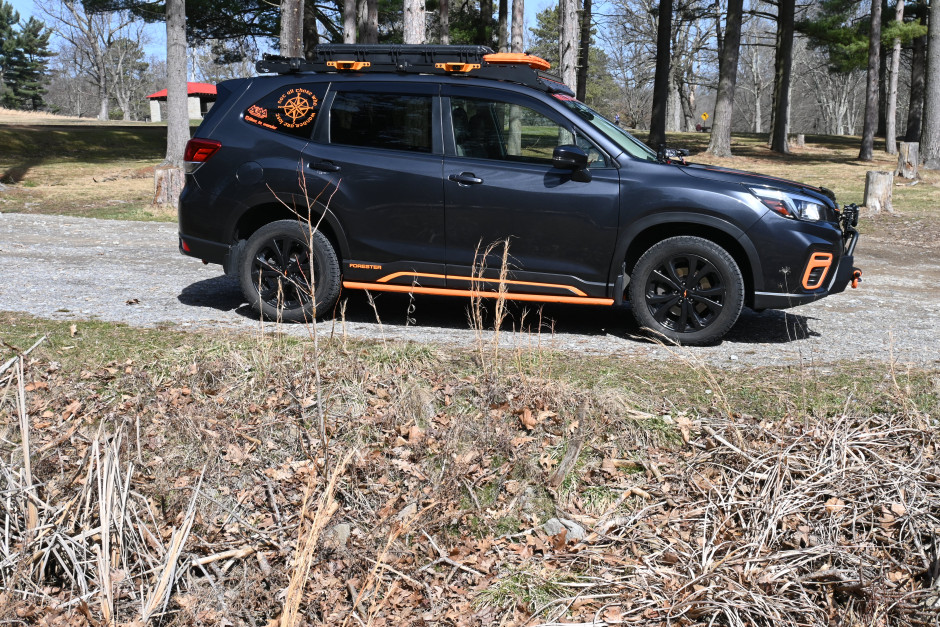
68,268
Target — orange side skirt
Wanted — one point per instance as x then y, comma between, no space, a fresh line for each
442,291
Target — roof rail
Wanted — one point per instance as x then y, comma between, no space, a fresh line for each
476,61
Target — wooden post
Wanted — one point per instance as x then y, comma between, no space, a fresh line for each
878,186
907,160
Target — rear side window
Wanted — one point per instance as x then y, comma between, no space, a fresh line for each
291,109
381,120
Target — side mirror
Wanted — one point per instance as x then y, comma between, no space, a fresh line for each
569,157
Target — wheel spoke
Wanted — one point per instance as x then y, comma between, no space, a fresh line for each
682,324
709,292
696,277
675,285
660,313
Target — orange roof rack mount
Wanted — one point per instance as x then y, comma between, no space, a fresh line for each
517,58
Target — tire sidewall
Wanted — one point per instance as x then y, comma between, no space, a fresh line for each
723,262
326,281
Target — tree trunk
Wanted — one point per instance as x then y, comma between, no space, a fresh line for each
518,19
908,160
720,142
891,130
568,42
502,37
368,22
311,30
445,21
292,28
349,21
414,22
780,113
871,93
878,186
915,110
930,135
661,81
584,51
486,15
167,182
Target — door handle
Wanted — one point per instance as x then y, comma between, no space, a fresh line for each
323,166
465,178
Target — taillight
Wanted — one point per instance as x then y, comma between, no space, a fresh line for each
199,150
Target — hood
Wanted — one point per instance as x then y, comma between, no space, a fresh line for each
752,178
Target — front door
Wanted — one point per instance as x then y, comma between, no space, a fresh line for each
500,186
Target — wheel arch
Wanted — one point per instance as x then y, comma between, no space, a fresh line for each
264,213
646,233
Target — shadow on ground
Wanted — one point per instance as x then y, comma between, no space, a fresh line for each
222,293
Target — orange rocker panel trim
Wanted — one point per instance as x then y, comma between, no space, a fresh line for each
382,285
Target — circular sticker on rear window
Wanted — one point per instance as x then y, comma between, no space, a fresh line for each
296,107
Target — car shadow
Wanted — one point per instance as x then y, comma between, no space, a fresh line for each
222,293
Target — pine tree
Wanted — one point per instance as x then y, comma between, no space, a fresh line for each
28,65
8,19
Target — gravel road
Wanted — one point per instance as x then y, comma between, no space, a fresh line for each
76,268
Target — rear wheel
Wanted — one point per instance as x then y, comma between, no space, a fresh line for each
288,273
687,289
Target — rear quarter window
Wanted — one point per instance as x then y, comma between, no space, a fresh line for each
291,109
379,120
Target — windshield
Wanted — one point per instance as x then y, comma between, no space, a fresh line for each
630,144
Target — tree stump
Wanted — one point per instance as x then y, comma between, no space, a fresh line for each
168,182
798,140
908,158
878,186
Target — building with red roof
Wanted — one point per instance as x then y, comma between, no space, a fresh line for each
200,97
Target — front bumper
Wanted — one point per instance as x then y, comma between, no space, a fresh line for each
844,274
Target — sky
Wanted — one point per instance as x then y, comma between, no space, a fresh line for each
26,8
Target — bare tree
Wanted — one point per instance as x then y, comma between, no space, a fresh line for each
168,178
502,26
871,93
720,143
568,42
891,129
661,82
756,77
780,120
584,50
349,21
414,28
930,134
915,106
518,19
91,35
445,21
292,28
368,21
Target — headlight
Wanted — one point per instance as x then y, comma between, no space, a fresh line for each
791,205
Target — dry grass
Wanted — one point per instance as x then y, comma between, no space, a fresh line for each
206,455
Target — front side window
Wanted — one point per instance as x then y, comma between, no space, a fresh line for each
489,129
381,120
291,109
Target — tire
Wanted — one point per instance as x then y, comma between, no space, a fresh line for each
687,289
274,272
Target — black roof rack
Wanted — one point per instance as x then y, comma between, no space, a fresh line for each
413,59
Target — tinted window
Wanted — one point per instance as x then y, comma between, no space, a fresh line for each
510,132
291,109
375,120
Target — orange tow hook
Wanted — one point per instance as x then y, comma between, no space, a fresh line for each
856,278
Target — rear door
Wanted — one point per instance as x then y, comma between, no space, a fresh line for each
500,186
376,163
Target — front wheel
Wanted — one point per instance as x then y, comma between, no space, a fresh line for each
288,273
687,289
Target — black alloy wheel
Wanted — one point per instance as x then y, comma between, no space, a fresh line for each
277,272
687,289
